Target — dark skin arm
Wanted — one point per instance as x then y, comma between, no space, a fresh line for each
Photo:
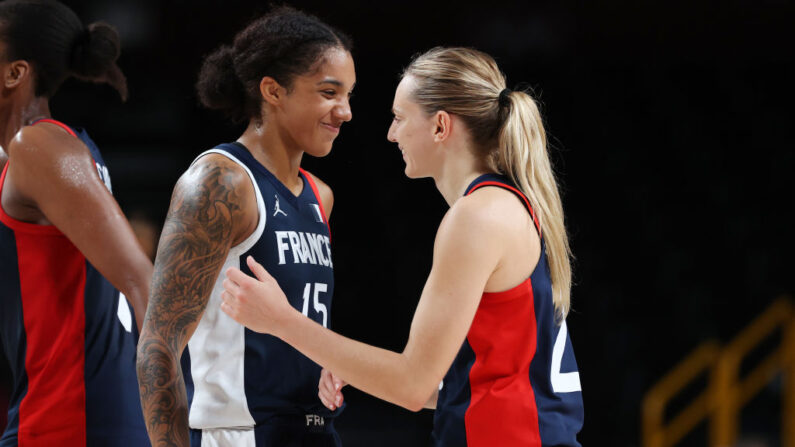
212,209
52,179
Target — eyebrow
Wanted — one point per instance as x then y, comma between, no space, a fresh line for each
330,81
333,81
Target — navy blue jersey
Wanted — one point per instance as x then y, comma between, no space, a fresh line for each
514,381
69,337
239,378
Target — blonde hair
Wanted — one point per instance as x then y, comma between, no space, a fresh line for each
506,128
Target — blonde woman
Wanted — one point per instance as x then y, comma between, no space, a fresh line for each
491,319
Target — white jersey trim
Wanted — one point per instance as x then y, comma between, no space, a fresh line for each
217,347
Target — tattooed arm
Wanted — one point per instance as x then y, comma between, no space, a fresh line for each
212,209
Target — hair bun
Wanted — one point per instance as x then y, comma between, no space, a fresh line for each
95,50
219,87
94,56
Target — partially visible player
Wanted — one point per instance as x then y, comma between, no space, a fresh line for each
65,246
491,319
289,76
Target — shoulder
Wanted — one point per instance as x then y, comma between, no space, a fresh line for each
485,210
45,155
325,193
216,194
214,171
44,142
491,216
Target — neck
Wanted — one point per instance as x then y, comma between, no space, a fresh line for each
268,146
19,116
457,172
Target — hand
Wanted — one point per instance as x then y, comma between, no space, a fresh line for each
259,304
330,389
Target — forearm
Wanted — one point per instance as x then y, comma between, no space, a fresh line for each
136,290
163,397
388,375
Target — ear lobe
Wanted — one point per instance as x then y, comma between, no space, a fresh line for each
443,123
271,91
15,73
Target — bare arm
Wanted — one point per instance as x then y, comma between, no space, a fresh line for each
54,173
210,211
452,293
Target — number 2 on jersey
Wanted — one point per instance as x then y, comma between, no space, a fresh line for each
319,307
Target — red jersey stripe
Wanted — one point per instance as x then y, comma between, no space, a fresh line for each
59,124
502,409
317,196
53,410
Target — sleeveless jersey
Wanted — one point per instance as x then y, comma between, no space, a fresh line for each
515,381
69,337
240,378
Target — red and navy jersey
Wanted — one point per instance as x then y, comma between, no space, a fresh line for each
239,378
515,381
69,337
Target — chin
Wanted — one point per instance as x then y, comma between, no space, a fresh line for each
319,151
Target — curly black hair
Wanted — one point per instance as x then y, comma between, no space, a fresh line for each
282,44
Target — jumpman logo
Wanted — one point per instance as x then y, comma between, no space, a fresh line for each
278,209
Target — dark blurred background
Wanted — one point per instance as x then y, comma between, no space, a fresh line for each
671,132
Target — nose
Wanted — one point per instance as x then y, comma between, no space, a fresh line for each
343,111
390,134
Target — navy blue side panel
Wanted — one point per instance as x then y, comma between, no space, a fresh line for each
449,428
184,362
560,415
195,435
110,369
13,330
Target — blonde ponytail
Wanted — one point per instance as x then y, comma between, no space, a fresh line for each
506,128
522,156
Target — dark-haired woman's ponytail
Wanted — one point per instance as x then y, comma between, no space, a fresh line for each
94,56
219,87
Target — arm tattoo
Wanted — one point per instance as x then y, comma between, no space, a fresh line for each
194,244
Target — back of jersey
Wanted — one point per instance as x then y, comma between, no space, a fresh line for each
69,337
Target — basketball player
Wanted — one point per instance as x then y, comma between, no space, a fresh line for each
65,246
491,319
289,76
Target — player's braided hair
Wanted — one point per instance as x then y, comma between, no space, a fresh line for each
55,42
282,44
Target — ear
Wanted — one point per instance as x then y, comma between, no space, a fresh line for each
443,125
15,73
272,92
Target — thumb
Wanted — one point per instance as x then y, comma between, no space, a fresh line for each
258,270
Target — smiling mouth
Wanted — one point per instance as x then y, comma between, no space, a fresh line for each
331,128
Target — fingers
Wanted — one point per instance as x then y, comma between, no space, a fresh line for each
236,276
329,392
338,383
258,270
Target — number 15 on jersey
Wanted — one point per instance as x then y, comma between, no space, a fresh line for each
319,307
